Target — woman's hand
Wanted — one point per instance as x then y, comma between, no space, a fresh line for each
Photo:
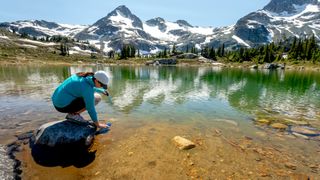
100,125
106,93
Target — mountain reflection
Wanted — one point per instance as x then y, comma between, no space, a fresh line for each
134,87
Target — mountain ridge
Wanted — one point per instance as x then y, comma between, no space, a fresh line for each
299,18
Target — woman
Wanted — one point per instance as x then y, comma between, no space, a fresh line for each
76,94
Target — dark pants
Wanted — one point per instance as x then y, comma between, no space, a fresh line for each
78,104
75,106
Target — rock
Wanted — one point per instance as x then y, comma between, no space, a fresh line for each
263,121
24,136
300,135
270,66
204,60
182,143
301,123
254,67
187,56
6,164
290,166
279,126
162,62
304,130
65,132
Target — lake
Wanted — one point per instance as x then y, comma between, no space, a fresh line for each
199,97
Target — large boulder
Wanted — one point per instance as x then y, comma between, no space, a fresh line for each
162,62
65,132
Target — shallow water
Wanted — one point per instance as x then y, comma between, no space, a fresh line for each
199,98
178,94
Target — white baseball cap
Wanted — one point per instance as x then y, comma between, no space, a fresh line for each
102,77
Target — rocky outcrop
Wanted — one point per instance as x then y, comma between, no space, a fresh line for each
162,62
187,56
287,6
6,165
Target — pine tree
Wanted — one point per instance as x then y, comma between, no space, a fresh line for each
222,50
212,54
174,50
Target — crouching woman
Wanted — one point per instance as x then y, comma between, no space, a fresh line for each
77,94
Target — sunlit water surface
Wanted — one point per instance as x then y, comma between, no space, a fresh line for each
173,94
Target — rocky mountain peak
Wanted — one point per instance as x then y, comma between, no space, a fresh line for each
155,21
183,23
46,24
123,10
288,6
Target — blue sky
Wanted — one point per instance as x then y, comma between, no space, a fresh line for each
214,13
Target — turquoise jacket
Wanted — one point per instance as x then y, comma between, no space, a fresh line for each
77,87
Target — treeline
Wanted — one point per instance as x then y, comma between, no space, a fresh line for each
292,49
295,49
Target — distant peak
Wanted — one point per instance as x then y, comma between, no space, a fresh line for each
158,19
122,10
183,23
279,6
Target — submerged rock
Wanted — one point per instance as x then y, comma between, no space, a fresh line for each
65,132
183,143
279,126
263,121
304,130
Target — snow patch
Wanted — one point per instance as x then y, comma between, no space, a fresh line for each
77,50
38,43
239,40
28,46
201,30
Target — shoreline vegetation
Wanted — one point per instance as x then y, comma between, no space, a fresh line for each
83,60
289,53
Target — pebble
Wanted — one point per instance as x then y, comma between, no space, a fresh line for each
130,153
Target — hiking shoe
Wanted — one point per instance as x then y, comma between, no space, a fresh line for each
75,117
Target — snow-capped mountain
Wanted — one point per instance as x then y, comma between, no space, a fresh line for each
285,18
42,28
277,19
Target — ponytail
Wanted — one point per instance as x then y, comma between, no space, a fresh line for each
85,74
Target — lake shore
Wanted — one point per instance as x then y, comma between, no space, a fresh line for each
142,150
300,66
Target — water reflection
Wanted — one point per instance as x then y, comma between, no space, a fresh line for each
183,91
